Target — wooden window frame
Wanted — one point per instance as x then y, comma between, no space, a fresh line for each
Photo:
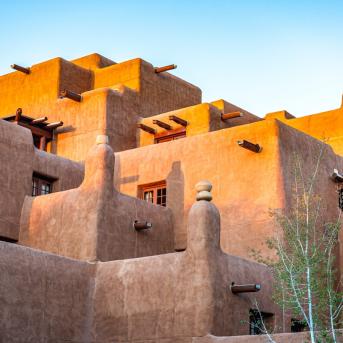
41,180
154,188
172,135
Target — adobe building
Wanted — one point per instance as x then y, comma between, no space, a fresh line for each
108,233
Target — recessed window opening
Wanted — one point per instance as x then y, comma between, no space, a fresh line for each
259,322
170,136
155,193
41,184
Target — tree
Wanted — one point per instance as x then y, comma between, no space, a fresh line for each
306,280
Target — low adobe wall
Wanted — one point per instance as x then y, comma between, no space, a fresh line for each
43,297
93,221
179,295
18,160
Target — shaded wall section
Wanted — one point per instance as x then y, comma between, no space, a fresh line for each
179,295
93,221
18,160
43,297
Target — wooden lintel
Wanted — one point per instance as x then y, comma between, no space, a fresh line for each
54,125
245,288
165,68
231,115
37,131
21,69
70,95
146,128
178,120
249,146
39,120
162,124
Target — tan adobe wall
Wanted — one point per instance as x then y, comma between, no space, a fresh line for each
326,126
246,184
18,160
201,118
180,295
43,297
95,222
113,95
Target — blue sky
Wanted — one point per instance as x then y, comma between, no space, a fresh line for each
261,55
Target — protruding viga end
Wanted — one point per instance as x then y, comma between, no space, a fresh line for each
204,190
101,139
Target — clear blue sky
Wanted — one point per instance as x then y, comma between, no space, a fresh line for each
261,55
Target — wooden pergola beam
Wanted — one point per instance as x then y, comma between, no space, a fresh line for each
39,120
178,120
54,125
21,69
235,289
231,115
70,95
146,128
162,124
165,68
249,146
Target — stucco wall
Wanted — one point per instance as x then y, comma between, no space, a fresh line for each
43,297
18,160
181,294
93,221
246,184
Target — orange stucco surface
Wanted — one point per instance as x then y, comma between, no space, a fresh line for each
75,253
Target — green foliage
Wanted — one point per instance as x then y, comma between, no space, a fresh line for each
306,281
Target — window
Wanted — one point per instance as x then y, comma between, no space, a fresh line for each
259,321
155,193
297,325
41,185
170,136
340,198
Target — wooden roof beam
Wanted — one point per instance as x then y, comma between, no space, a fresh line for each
231,115
162,124
54,125
336,176
165,68
21,69
146,128
18,114
249,146
70,95
39,120
178,120
235,289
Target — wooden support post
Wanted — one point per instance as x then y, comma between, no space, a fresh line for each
39,120
54,125
70,95
165,68
231,115
21,69
162,124
146,128
178,120
235,289
336,176
250,146
139,226
42,143
18,114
